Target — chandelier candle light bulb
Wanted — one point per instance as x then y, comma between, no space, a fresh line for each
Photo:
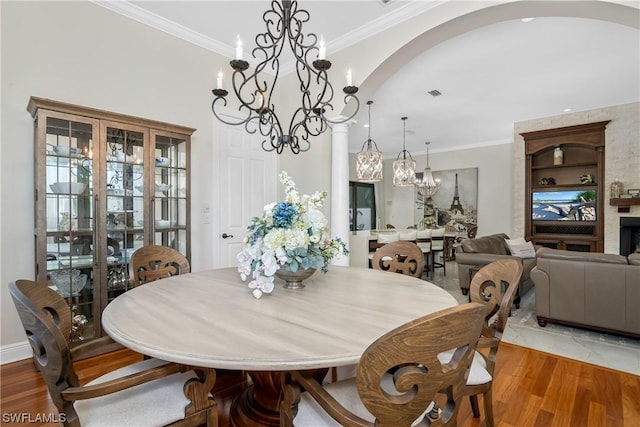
349,77
238,48
219,80
322,51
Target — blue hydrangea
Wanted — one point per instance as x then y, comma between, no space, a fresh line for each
284,214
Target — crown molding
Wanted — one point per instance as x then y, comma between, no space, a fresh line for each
158,22
399,15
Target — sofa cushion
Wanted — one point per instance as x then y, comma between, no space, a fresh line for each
494,244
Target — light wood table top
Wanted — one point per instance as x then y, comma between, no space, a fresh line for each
210,318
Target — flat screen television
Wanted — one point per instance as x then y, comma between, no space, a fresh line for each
563,205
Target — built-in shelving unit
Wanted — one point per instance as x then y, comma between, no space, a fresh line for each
551,220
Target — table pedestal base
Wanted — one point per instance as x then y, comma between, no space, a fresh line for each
259,404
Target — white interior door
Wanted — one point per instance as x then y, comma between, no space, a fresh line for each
247,182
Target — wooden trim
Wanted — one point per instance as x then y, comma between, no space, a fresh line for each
36,104
624,205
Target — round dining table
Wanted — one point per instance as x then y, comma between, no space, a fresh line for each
211,319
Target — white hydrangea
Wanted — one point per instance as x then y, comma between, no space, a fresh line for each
296,238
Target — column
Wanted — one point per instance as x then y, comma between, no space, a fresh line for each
340,185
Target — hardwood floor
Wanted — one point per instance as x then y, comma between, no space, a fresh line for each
531,389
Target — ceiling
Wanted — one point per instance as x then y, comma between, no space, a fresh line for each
489,78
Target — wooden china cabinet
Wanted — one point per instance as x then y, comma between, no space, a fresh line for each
564,191
105,185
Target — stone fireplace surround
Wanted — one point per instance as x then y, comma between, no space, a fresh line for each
629,235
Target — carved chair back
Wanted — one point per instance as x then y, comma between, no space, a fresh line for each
46,319
155,262
420,374
495,287
399,257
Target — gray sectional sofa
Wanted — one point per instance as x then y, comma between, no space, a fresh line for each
592,290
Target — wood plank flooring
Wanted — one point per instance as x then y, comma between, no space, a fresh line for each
531,389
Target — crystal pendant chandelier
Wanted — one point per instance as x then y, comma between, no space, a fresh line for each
404,171
254,92
428,186
369,159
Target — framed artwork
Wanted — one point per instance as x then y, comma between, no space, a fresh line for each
454,204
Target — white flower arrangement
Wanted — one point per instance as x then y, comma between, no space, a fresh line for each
290,234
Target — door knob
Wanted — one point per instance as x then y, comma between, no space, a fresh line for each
227,236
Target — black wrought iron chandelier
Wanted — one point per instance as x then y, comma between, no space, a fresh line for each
284,24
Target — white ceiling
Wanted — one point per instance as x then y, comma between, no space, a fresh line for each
489,78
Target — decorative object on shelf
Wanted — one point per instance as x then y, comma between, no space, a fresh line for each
75,188
292,235
557,156
404,171
547,181
369,159
163,161
587,179
68,282
293,279
616,188
78,322
284,23
633,192
65,221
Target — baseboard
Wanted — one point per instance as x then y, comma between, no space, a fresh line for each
14,352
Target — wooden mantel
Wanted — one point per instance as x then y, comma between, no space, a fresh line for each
624,205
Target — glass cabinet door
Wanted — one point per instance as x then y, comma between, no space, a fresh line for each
66,237
171,191
124,186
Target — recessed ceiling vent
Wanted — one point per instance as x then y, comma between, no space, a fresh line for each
434,92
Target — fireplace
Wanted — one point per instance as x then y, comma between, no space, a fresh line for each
629,235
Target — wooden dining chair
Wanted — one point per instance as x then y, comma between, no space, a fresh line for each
399,257
493,286
150,392
422,383
155,262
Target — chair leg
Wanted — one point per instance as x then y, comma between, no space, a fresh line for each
473,399
488,408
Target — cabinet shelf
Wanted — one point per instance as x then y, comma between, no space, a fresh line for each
564,166
585,187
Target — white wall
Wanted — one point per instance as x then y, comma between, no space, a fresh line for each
495,187
81,53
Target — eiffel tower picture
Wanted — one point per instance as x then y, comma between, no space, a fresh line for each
456,205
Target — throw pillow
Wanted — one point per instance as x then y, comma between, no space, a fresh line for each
521,248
